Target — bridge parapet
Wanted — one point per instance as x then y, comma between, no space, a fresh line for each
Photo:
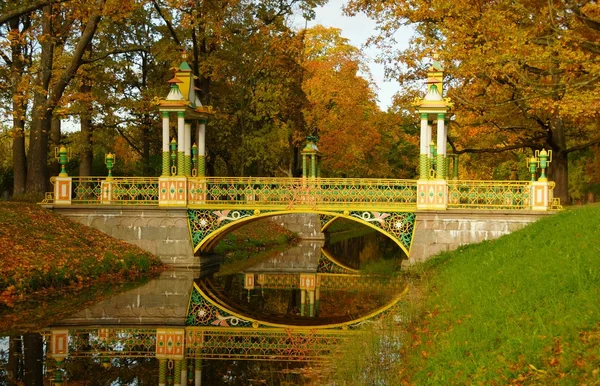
298,194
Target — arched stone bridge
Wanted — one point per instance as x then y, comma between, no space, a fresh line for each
177,217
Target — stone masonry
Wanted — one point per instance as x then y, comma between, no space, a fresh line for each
437,231
160,231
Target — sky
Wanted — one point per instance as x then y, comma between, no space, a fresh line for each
358,29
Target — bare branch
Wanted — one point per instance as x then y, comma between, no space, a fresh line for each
114,52
6,15
167,22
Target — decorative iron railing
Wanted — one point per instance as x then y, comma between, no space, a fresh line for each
489,194
302,192
291,344
266,345
110,342
139,191
299,193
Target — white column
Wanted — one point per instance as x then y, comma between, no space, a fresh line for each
165,132
441,137
201,138
424,141
429,136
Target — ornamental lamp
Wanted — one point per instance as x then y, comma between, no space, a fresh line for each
545,157
173,157
194,160
533,163
62,155
109,160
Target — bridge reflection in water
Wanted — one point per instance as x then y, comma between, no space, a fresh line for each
289,309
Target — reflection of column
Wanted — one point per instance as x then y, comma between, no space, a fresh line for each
184,374
177,373
162,372
166,170
317,301
180,143
304,173
302,301
198,372
311,303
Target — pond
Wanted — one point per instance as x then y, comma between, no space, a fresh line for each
274,318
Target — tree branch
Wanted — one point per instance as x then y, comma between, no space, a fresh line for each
583,146
167,22
7,15
530,145
114,52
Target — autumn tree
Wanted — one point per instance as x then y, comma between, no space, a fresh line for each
356,138
523,74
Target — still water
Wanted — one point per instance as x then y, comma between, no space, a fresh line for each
274,318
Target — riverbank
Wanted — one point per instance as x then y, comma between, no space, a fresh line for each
42,253
523,309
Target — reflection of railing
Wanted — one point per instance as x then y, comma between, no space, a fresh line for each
488,194
110,342
302,192
270,345
207,343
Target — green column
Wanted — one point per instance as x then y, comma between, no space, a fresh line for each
201,166
319,167
424,167
198,371
304,166
162,372
441,166
177,371
313,166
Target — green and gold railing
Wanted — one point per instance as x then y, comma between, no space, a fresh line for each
296,193
293,344
489,194
330,193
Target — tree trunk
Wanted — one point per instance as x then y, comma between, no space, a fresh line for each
18,105
559,168
87,152
146,127
37,167
14,368
34,360
55,135
559,173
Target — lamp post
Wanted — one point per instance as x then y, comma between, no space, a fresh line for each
109,160
194,160
173,157
545,157
62,155
533,163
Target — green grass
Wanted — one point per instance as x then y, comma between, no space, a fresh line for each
523,309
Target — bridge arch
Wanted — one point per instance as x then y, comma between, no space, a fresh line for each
209,226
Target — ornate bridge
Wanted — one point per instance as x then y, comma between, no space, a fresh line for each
216,205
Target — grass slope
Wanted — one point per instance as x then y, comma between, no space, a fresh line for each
41,251
523,309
